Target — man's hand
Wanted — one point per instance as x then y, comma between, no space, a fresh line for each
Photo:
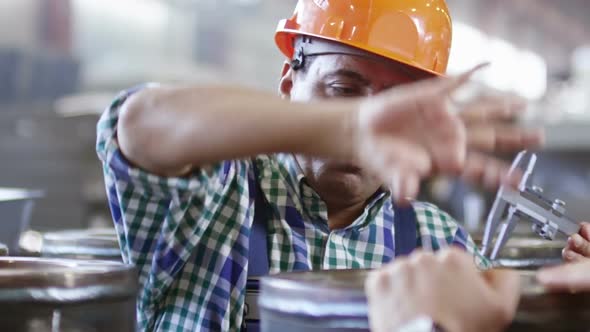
578,246
414,131
446,287
489,121
569,277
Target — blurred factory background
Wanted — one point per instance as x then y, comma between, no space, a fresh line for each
62,62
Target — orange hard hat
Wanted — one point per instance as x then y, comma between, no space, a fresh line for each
413,32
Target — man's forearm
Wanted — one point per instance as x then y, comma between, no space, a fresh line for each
169,130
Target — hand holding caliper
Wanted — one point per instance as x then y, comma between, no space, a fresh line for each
528,203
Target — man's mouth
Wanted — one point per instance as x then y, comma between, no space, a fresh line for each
347,168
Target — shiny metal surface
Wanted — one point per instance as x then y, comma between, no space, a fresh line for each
332,293
17,194
532,248
528,253
526,264
97,244
38,294
314,302
334,300
59,280
16,208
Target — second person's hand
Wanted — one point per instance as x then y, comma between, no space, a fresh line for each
447,288
578,245
573,277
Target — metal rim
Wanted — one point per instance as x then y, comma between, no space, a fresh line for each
300,294
101,243
18,194
64,281
321,295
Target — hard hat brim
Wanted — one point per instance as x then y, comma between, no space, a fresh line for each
285,38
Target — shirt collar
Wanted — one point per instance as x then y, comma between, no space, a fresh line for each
311,202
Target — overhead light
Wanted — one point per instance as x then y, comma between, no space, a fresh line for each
135,12
246,2
512,69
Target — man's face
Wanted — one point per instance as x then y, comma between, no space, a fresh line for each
340,76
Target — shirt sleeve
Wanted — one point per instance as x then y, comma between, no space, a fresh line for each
437,229
161,220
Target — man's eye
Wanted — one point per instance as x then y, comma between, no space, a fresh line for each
343,90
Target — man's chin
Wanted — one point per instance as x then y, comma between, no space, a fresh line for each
344,181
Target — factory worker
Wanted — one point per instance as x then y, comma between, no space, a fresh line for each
211,185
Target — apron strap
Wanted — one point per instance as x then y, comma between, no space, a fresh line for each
258,265
405,224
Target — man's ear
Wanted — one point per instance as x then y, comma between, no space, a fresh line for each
286,83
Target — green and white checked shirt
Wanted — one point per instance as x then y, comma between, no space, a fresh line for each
188,236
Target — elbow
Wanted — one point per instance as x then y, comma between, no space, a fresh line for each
141,134
133,128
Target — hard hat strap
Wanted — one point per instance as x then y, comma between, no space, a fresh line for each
307,46
298,61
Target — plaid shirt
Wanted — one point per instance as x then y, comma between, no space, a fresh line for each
188,236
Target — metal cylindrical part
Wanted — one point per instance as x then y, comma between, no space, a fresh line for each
38,294
93,244
559,205
328,301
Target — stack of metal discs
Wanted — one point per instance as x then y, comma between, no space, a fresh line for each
90,244
48,295
335,301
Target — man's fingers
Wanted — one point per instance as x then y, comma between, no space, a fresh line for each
489,172
396,153
510,139
585,230
384,279
579,245
571,256
503,280
405,186
506,285
401,166
492,108
492,176
410,185
481,138
502,138
417,160
474,168
572,277
456,258
448,148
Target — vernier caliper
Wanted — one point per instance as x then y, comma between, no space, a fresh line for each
526,203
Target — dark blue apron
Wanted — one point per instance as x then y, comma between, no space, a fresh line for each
404,221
